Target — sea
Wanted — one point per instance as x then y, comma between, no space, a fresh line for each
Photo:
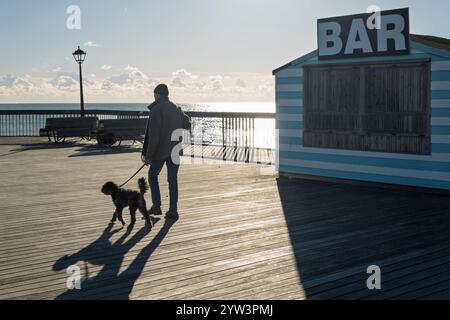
264,128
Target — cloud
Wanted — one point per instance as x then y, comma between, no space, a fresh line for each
131,75
65,81
91,44
106,67
69,81
241,83
182,78
17,88
120,79
16,84
7,80
181,73
177,82
217,82
134,85
130,68
216,77
132,82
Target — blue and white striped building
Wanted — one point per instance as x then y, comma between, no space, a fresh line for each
430,171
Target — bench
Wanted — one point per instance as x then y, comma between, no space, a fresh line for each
117,130
73,127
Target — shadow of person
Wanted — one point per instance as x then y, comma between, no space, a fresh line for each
129,276
108,283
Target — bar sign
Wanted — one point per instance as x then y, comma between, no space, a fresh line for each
384,33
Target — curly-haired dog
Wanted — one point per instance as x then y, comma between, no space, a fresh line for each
123,198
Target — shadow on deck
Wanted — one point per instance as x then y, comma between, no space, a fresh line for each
108,283
84,148
338,231
243,234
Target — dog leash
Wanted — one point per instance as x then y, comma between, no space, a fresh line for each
134,175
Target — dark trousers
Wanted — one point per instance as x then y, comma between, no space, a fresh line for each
172,178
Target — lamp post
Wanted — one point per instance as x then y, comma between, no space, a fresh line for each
79,56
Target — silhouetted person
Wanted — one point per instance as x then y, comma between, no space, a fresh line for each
165,118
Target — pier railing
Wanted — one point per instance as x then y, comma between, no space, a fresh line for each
220,129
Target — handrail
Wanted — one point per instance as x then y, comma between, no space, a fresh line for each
224,129
196,114
75,112
233,134
252,115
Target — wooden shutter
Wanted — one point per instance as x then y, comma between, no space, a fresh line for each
377,107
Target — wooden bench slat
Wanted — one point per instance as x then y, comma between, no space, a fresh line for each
70,127
110,131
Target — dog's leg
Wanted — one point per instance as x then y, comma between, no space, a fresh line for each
114,217
133,217
119,215
144,212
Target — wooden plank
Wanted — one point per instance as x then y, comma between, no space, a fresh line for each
241,235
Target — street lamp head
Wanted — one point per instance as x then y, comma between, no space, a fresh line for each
79,55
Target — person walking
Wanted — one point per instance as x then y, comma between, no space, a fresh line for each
165,117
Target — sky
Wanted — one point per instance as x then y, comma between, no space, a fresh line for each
205,50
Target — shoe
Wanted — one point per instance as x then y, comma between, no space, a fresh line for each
156,211
172,215
149,223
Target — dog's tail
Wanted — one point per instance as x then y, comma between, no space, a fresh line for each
143,187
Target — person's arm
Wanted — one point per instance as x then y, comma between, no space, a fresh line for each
146,136
186,121
154,135
145,145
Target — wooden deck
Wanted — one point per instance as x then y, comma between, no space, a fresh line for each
242,234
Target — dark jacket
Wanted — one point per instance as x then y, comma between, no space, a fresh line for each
165,117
